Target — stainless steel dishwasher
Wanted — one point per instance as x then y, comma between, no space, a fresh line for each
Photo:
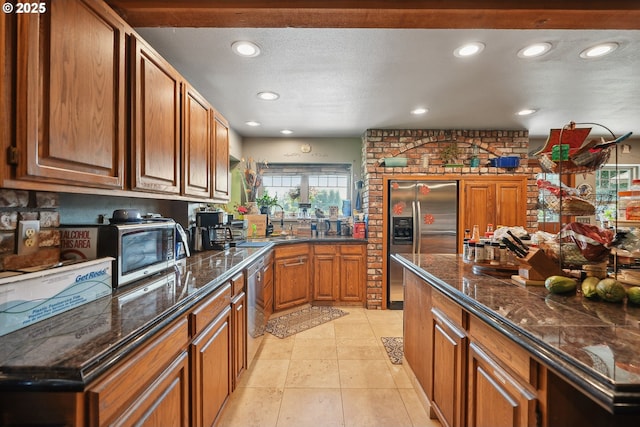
256,321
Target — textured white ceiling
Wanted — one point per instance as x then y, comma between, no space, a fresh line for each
340,82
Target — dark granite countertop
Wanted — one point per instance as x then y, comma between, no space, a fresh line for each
69,350
594,345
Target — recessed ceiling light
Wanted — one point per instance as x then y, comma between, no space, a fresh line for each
252,123
245,48
418,111
526,112
598,50
534,50
286,132
268,96
469,49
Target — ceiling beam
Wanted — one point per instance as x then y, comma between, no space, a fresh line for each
453,14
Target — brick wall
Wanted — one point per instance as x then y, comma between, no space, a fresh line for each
418,144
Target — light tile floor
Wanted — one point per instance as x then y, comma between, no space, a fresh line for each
336,374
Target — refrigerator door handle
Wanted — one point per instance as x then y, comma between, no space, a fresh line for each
417,224
413,227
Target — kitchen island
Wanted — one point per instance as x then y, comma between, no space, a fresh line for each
489,352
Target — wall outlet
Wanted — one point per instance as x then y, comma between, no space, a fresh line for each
28,233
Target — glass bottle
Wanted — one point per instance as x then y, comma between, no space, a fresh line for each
476,234
479,252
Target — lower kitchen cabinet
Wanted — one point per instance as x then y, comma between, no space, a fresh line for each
239,327
496,397
418,330
292,276
471,374
150,388
211,361
449,357
339,273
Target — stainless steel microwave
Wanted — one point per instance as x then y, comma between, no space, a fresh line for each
140,249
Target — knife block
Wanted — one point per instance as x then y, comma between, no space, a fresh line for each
537,265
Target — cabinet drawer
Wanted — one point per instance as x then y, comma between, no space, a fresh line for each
237,284
208,310
287,251
452,310
353,249
122,385
323,249
503,349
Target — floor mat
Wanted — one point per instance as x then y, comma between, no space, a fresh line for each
301,320
394,348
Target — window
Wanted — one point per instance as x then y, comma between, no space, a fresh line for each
320,185
609,181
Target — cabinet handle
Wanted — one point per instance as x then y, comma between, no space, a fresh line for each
294,264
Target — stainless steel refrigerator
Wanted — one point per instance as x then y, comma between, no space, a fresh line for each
423,218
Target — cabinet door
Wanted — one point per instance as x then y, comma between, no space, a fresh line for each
239,329
196,147
418,330
155,127
221,161
211,380
511,203
326,276
165,402
496,398
353,266
291,282
149,384
479,204
70,89
449,366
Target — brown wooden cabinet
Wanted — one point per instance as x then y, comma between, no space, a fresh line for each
449,363
221,187
211,357
238,327
493,200
471,374
292,276
197,147
149,388
339,273
418,330
70,95
496,397
155,121
353,273
326,273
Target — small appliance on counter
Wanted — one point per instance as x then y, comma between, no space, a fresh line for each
139,246
211,232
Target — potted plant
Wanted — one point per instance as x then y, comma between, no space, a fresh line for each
449,155
265,201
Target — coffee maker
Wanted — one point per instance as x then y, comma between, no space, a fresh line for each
211,232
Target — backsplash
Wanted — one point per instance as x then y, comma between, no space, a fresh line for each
16,206
423,150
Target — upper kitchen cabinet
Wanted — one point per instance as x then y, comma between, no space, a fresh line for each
70,95
197,144
155,121
494,200
221,161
